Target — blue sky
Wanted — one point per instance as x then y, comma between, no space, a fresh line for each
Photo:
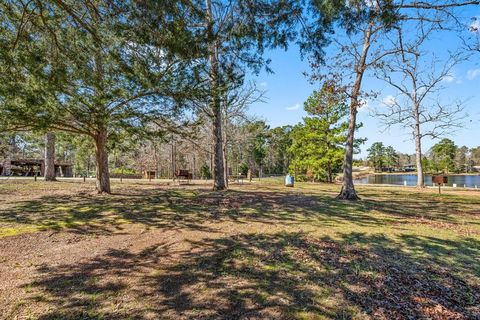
288,88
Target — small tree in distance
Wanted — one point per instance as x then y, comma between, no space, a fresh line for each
376,155
443,156
391,158
317,144
381,157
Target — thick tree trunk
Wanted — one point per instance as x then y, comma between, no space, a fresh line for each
418,150
50,157
101,157
216,109
348,189
218,161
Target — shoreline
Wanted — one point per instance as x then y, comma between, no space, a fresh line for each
413,186
414,173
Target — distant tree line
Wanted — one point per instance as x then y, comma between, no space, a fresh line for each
443,157
311,150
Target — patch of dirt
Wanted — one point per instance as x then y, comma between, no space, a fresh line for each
23,257
214,261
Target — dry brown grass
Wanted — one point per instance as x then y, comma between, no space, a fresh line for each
154,251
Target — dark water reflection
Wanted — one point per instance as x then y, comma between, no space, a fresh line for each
470,181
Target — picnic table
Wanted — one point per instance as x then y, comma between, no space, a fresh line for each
182,176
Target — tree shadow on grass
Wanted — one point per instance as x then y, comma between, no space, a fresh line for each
95,289
200,209
182,209
276,276
444,208
106,214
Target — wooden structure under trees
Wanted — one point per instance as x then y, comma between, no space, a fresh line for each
182,176
34,167
149,174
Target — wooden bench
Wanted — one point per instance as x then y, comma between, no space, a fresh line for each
182,176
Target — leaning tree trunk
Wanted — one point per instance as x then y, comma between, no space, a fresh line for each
50,157
418,150
348,189
101,157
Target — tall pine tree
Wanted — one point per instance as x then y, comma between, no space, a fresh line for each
93,68
317,144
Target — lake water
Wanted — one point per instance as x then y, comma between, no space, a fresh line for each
470,181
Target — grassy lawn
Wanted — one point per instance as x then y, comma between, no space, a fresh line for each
154,251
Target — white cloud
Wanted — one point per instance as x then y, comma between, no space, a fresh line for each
449,78
473,73
294,107
475,25
264,84
389,100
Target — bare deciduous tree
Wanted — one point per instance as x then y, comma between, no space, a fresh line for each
363,50
419,76
235,108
